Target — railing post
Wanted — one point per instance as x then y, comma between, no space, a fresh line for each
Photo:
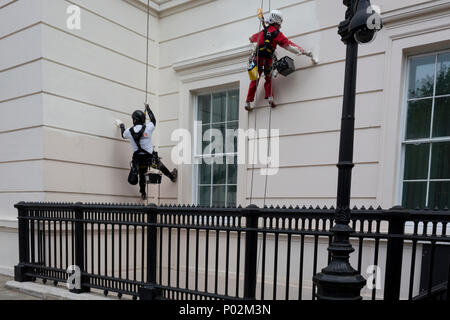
149,292
397,217
24,248
79,247
251,214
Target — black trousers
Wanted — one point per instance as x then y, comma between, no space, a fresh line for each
142,161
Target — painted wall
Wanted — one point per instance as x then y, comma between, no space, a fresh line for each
211,49
61,90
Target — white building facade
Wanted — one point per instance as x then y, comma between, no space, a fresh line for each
62,88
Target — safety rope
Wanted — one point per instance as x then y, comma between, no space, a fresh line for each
269,137
256,100
146,52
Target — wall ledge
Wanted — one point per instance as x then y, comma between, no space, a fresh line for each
410,14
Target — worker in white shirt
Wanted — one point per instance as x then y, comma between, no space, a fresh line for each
140,136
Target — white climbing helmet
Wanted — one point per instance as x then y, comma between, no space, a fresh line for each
275,16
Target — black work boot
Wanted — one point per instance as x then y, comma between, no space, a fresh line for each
174,174
144,196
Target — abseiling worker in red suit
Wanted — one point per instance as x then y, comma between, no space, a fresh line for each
267,42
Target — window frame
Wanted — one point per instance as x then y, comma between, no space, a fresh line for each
198,158
430,140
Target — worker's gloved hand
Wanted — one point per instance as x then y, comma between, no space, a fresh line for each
119,123
308,53
275,73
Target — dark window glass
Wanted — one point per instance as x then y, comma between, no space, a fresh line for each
204,173
421,77
418,119
233,105
204,108
219,107
414,194
443,75
205,196
219,173
441,119
218,196
440,161
439,194
416,161
231,196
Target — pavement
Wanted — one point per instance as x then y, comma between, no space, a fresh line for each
12,290
10,294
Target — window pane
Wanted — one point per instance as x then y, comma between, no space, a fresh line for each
204,108
220,173
219,107
231,141
218,196
231,197
232,172
439,194
441,118
233,105
421,77
416,161
204,172
206,137
205,196
443,75
418,119
440,161
219,137
414,194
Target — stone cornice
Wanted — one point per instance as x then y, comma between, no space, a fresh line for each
412,13
167,8
225,57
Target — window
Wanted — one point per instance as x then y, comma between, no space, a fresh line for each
217,114
426,142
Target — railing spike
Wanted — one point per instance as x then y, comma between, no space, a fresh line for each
325,208
363,208
355,208
370,208
291,207
317,208
297,207
311,208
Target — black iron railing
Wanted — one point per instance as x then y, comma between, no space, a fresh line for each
216,253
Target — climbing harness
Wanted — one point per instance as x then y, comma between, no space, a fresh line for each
266,50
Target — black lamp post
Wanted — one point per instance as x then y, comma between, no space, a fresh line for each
339,281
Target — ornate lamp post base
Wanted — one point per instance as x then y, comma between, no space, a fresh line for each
339,281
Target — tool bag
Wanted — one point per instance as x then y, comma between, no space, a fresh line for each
285,66
133,176
253,73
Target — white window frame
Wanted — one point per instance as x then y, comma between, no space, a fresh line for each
198,157
430,139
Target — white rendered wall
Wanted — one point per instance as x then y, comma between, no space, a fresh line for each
309,101
68,87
